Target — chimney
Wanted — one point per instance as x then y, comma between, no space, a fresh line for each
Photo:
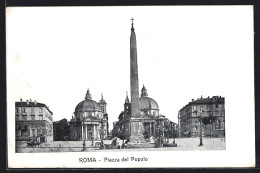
27,102
35,103
30,100
21,99
192,99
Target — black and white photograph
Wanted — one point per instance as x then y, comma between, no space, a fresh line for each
130,86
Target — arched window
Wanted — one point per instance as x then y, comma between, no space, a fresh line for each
34,130
24,130
19,131
217,125
39,130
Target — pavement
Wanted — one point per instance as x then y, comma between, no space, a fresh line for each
183,144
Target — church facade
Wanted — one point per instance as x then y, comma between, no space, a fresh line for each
88,119
153,123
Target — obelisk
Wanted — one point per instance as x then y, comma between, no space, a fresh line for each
136,124
135,110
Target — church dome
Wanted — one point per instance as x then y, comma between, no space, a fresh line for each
88,105
147,103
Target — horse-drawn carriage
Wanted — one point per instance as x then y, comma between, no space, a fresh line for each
114,145
32,143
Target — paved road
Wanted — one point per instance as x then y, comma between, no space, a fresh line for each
184,144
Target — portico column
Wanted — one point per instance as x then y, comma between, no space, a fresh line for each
150,124
84,132
81,137
153,129
98,126
94,131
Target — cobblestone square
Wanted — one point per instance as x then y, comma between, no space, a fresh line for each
183,144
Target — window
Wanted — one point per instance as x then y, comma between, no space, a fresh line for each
196,122
17,117
40,117
24,110
19,131
16,110
24,117
32,110
33,117
216,126
202,126
216,105
196,128
34,132
39,130
40,110
24,130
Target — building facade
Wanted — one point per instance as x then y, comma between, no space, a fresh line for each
34,121
210,109
89,118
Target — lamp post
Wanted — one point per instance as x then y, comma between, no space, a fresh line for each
173,133
201,143
200,119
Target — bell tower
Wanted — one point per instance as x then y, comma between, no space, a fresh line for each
127,106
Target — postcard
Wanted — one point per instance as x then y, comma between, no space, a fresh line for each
130,87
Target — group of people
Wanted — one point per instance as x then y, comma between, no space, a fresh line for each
122,144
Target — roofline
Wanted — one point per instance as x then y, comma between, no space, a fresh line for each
194,102
38,104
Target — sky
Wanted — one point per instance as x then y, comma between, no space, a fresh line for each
54,54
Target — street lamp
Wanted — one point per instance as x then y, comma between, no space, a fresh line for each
173,133
201,143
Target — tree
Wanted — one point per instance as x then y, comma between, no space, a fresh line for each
208,120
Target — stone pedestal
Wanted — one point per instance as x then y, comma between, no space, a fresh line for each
137,129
